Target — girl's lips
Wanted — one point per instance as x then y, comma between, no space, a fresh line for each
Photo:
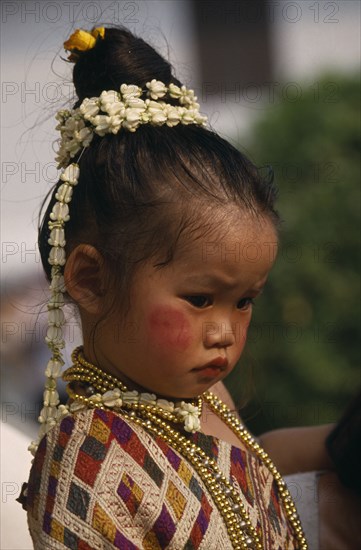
219,363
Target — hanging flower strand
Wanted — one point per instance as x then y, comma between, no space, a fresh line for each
52,411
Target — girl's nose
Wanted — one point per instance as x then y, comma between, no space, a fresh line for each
221,334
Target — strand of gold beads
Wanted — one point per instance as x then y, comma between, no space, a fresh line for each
84,371
242,433
227,499
242,534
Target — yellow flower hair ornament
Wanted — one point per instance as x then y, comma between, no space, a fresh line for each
82,41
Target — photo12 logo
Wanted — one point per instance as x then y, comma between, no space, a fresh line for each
248,11
269,92
36,92
126,13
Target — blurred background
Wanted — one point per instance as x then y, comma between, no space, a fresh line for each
280,80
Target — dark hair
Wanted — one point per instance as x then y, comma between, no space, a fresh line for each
344,446
133,198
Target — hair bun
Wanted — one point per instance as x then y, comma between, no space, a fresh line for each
118,58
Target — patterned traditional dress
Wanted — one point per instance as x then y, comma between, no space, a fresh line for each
101,482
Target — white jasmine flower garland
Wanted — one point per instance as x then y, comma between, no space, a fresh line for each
114,110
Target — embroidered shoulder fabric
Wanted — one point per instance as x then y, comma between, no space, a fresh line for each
100,483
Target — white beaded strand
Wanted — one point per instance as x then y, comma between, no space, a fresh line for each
52,410
116,399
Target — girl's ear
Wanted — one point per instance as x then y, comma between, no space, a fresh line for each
84,278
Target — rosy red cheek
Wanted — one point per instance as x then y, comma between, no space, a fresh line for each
169,328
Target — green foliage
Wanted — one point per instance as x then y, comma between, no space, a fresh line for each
302,358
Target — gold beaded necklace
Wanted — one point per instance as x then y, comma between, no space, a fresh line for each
161,422
116,394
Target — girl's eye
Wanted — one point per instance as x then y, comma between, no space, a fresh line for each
245,303
198,301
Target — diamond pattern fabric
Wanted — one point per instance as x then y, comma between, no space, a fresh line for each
99,482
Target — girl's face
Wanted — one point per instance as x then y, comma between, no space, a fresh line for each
190,313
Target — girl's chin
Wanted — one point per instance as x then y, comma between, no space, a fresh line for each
203,382
204,386
184,396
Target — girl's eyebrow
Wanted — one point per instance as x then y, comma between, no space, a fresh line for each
211,279
208,280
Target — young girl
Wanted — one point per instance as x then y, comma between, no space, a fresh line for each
163,235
